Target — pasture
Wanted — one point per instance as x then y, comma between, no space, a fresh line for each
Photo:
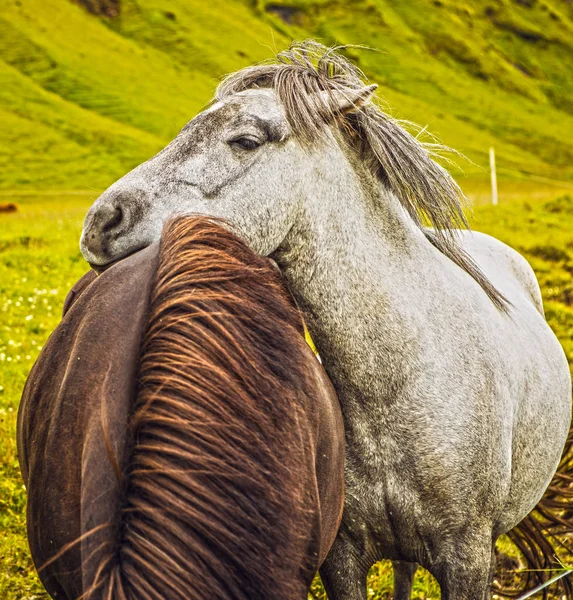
495,73
40,260
81,109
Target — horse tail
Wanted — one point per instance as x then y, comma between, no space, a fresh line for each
216,493
544,536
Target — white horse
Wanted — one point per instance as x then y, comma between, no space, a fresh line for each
456,394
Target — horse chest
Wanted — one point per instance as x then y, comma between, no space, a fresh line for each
379,500
405,460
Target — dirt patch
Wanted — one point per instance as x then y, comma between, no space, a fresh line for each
548,252
563,204
101,8
22,242
287,14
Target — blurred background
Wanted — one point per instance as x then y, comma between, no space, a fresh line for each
91,88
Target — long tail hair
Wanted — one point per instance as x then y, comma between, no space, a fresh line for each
214,504
545,537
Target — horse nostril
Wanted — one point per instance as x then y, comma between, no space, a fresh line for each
114,220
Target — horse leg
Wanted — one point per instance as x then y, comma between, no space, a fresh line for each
343,572
466,571
403,579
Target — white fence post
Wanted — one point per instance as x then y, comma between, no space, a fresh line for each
493,176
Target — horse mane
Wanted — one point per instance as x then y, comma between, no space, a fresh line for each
306,77
214,503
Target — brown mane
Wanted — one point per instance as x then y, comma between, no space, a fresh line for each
177,437
219,379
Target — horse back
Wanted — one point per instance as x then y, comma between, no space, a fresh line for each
506,268
73,417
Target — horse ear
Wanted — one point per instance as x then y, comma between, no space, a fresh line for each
348,100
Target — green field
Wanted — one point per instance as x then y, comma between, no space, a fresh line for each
40,260
85,97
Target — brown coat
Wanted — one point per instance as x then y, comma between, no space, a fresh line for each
77,449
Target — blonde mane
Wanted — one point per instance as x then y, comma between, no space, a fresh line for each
306,78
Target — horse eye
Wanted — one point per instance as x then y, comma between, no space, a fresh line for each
246,143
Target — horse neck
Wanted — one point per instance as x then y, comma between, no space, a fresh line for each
351,261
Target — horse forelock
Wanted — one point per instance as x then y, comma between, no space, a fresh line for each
215,504
306,78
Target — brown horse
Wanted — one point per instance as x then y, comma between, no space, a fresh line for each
177,437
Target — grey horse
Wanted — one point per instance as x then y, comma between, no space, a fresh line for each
456,395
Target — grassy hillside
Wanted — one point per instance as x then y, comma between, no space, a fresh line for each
83,98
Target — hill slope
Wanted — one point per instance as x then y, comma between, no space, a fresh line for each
85,97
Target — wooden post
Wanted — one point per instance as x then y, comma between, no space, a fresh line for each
493,176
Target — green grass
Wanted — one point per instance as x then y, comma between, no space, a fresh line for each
40,260
83,99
